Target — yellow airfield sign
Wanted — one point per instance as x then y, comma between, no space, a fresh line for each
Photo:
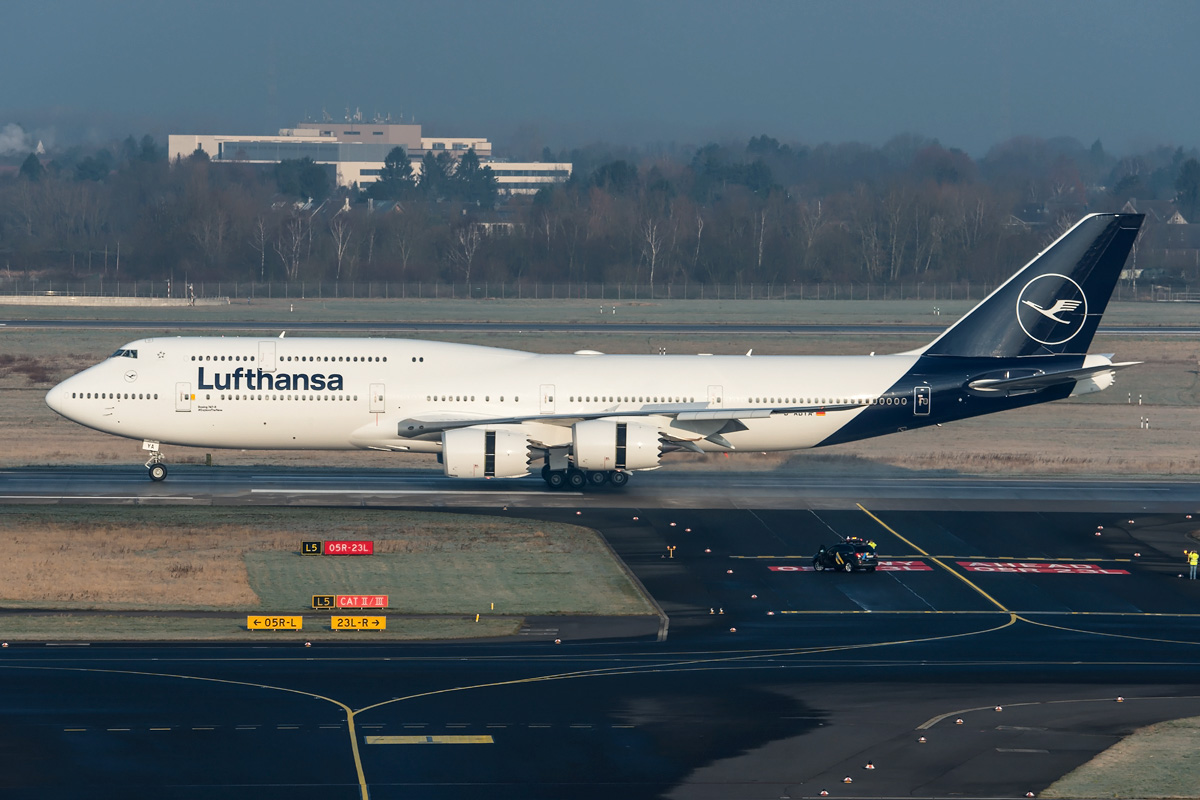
274,623
358,623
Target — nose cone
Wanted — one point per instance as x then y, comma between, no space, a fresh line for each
54,398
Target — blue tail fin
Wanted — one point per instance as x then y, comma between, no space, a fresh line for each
1053,305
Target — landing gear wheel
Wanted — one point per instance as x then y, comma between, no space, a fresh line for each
158,472
618,479
576,479
597,478
556,479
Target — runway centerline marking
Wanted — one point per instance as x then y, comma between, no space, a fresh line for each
934,559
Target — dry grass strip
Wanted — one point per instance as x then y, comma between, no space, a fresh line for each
1158,761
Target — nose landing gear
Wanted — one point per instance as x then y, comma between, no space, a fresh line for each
156,466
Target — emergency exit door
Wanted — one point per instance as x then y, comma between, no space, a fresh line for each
921,401
183,397
378,398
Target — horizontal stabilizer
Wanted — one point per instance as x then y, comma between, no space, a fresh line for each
1044,380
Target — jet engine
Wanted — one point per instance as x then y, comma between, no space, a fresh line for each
485,453
603,445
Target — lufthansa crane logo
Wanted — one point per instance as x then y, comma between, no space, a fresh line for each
130,375
1051,309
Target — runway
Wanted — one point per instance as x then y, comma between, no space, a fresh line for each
773,681
667,488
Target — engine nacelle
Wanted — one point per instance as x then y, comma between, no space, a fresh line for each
602,445
484,453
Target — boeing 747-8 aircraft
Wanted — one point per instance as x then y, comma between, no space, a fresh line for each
591,419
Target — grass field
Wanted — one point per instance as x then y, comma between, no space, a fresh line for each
1158,761
248,561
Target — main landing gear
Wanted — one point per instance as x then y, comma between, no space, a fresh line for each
578,479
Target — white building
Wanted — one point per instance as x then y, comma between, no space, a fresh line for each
357,151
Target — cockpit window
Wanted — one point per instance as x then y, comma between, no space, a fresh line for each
124,354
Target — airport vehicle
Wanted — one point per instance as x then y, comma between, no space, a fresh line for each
846,556
590,419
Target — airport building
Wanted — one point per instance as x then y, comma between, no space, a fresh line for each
356,150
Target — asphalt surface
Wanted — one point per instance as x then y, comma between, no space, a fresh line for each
772,681
544,327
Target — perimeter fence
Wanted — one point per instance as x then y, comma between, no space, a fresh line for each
521,290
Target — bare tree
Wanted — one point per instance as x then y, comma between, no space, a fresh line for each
653,245
760,222
339,229
209,233
259,243
404,248
290,243
462,252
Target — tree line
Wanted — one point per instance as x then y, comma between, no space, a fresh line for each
758,211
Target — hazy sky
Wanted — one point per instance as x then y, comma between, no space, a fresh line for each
562,72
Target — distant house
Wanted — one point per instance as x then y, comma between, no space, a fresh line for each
1168,251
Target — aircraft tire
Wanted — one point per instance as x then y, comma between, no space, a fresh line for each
556,479
576,479
618,478
597,478
158,472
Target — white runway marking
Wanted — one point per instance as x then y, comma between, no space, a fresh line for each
409,491
90,497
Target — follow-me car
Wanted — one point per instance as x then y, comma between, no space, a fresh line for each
590,418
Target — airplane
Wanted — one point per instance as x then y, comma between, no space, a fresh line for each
590,419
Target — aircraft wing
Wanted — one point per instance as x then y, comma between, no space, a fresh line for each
424,426
1033,383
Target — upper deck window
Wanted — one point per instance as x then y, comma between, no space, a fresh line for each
124,354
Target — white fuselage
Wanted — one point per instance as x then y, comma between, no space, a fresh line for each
337,394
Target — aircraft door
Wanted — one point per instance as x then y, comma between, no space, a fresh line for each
546,406
715,396
921,401
378,398
183,397
266,356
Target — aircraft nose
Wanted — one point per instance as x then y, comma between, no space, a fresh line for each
54,398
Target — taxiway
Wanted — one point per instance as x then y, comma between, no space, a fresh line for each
773,681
